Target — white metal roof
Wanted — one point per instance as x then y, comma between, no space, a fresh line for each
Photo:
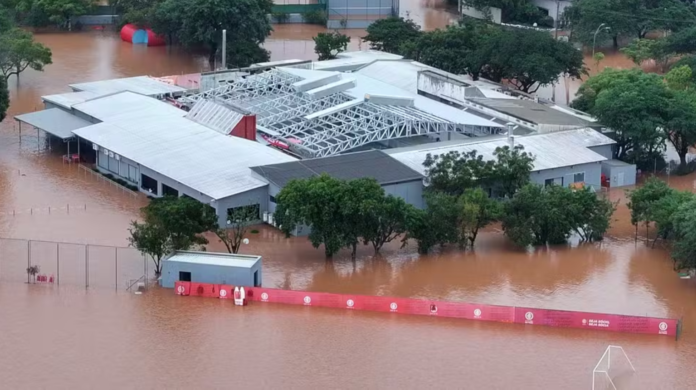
551,150
373,54
212,258
215,115
401,74
54,121
142,84
67,100
126,105
187,152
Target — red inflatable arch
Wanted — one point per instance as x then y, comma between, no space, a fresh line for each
131,33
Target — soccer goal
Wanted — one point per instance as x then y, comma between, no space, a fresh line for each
614,363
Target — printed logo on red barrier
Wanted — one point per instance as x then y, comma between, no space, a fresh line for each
393,306
663,327
477,313
433,309
529,317
223,293
584,321
307,300
180,290
264,297
350,303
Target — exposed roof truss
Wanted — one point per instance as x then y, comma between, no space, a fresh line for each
329,125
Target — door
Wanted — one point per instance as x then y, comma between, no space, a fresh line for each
256,278
620,179
184,276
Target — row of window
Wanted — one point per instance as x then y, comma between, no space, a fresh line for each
577,178
117,167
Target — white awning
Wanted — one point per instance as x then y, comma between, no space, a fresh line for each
54,121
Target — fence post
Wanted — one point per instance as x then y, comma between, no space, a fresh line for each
57,263
28,259
86,266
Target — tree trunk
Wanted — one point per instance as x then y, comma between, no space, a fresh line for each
682,158
615,39
354,251
211,56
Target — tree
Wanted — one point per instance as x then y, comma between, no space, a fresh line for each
663,212
244,53
642,200
239,220
317,202
361,198
589,215
454,172
388,221
327,45
150,238
171,224
18,51
511,169
437,224
632,103
59,12
477,211
529,59
680,126
32,271
201,22
391,33
684,248
641,50
4,99
513,11
626,18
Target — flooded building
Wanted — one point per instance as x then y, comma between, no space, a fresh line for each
210,267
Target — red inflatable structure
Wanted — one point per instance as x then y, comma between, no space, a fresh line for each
470,311
131,33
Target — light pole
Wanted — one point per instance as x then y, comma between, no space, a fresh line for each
602,26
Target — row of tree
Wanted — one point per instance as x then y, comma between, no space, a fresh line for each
199,24
673,215
179,223
526,58
465,193
644,110
43,13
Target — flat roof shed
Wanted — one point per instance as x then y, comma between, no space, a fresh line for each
53,121
143,85
211,267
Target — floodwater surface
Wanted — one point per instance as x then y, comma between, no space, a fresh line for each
77,338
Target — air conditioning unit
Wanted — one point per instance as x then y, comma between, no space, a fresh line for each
95,147
117,157
106,151
111,154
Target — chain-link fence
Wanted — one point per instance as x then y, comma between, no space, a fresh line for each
74,264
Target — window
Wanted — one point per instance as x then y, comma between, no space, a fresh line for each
579,177
549,182
113,165
133,173
123,170
273,199
148,184
103,161
167,190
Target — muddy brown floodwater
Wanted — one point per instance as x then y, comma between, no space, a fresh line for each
70,337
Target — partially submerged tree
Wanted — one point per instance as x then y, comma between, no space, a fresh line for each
436,225
391,33
388,220
171,224
643,199
32,271
4,99
59,12
238,221
476,211
19,51
328,45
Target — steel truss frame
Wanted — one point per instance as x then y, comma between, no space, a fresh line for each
281,108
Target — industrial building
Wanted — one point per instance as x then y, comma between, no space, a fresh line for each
239,140
212,268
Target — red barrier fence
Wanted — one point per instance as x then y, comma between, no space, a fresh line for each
469,311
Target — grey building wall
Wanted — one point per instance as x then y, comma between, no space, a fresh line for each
565,175
605,151
214,274
256,196
411,192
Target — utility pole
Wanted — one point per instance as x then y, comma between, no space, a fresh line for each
224,49
555,22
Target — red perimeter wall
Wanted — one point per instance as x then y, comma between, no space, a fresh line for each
470,311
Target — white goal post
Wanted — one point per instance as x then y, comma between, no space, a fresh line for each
602,371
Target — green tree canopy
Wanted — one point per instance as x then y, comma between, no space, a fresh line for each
387,220
391,33
476,211
19,51
684,225
514,11
642,200
4,98
328,45
171,224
